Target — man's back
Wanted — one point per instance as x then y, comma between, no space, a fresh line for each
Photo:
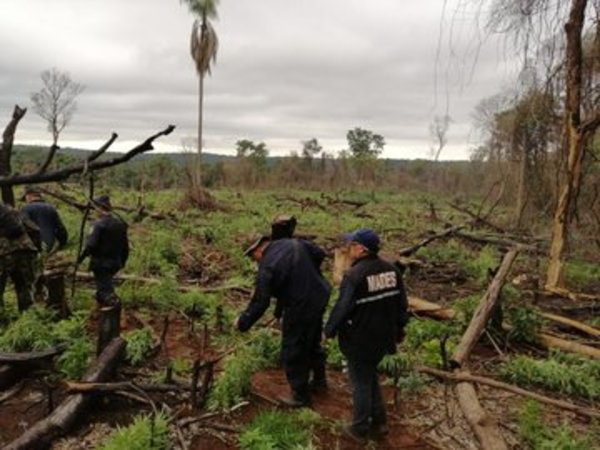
46,217
108,243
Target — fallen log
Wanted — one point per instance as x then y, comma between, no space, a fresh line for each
477,219
41,434
468,377
484,311
8,374
413,248
574,296
502,243
91,387
483,425
584,328
31,357
87,276
435,311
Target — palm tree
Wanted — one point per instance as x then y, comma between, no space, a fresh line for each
204,46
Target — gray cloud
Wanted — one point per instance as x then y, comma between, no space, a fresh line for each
286,71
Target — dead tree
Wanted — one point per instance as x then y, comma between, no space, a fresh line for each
8,138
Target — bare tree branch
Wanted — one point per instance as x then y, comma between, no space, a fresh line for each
84,165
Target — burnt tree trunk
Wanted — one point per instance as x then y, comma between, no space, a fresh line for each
8,138
109,325
57,299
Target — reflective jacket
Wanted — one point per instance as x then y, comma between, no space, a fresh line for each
371,309
288,272
46,217
107,244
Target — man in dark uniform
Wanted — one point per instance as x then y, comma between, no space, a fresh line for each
108,248
287,272
368,318
46,217
283,227
17,257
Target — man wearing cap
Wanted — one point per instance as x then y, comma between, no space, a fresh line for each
17,257
283,227
108,248
287,272
368,318
46,217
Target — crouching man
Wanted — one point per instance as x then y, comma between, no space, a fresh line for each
287,272
368,318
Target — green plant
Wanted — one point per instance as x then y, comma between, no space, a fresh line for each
235,381
279,430
479,267
335,357
73,363
581,273
540,437
139,345
145,433
30,332
526,323
565,374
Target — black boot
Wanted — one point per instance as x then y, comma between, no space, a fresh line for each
295,400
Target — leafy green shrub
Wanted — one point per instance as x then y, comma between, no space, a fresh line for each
581,273
145,433
465,308
139,345
335,357
452,251
32,331
279,430
539,436
479,267
73,363
235,381
526,323
565,374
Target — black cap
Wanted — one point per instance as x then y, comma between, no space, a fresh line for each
102,202
283,226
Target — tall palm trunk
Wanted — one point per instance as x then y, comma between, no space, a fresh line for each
197,176
575,145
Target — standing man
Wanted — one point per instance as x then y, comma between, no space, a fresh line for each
287,272
17,257
45,216
108,248
368,318
283,227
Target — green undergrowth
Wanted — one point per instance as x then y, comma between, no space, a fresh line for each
145,433
234,383
139,345
580,274
566,374
539,436
37,329
275,430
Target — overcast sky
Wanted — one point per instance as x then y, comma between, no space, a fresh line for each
287,71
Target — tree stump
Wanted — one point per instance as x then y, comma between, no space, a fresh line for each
57,298
109,325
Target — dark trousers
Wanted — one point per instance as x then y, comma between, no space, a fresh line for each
105,287
367,403
22,270
301,354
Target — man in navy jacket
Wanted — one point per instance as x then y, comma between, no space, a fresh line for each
287,272
368,318
46,217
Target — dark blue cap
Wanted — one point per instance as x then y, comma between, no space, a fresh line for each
365,237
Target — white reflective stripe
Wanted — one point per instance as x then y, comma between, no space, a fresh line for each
377,297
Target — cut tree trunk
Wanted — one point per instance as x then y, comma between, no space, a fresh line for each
484,311
483,425
109,326
41,434
57,299
468,377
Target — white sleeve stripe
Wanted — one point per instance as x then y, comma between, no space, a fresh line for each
374,298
